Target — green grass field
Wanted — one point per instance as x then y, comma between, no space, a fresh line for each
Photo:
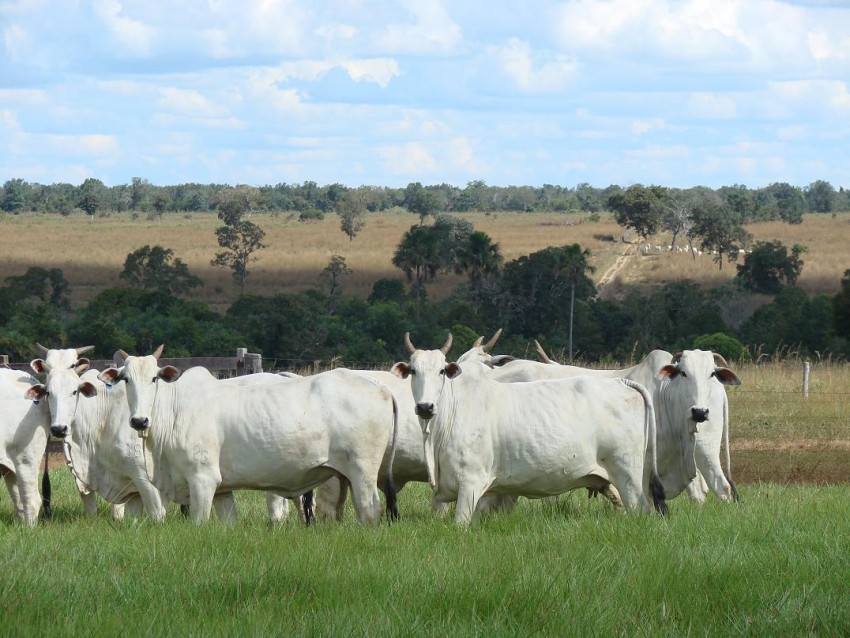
773,565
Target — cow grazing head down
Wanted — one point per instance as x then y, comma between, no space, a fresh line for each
63,391
141,374
693,375
428,371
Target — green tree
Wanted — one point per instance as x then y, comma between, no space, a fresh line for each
48,286
419,256
160,203
15,193
769,267
239,238
841,307
719,230
787,201
478,257
91,196
351,212
820,197
156,268
332,277
139,193
639,208
421,201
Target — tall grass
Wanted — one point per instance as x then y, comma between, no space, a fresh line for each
774,565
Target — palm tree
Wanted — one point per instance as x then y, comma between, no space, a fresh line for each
478,257
418,255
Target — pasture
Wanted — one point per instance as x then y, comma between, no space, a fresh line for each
91,251
773,565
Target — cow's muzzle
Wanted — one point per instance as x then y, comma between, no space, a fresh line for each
425,410
59,431
140,423
700,415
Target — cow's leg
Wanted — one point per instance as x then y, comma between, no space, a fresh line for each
201,494
439,508
90,504
134,507
366,499
225,507
708,464
697,488
466,507
610,492
14,492
27,481
330,498
151,498
277,506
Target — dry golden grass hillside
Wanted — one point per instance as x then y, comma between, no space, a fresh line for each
91,252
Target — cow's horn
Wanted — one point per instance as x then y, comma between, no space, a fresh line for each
158,352
720,361
489,345
540,351
478,342
81,366
40,348
120,354
677,357
84,349
447,344
409,343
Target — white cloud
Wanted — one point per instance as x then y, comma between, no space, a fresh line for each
432,30
712,106
639,127
335,32
407,159
133,36
530,72
189,103
26,97
379,71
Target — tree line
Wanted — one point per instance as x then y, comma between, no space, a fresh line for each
779,200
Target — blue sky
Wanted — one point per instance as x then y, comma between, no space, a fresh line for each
677,93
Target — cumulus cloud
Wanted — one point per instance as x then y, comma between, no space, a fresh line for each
431,30
533,72
131,36
407,159
712,106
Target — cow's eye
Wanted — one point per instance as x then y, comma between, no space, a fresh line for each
154,379
74,393
411,371
682,374
442,372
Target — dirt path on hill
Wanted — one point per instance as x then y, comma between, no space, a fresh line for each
608,276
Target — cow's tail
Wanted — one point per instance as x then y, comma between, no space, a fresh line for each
307,501
735,496
389,486
46,491
656,488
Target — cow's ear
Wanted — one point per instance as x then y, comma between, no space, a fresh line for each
169,374
669,371
110,376
501,359
37,366
452,370
36,392
726,376
87,389
401,370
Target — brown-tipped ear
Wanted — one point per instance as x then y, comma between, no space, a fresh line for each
452,370
82,365
87,389
726,376
169,374
448,344
110,376
84,349
669,371
41,348
489,345
38,366
408,343
401,370
158,352
36,392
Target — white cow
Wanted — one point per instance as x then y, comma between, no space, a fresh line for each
105,456
23,441
203,437
683,433
531,439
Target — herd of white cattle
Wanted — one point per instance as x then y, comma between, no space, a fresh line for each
482,431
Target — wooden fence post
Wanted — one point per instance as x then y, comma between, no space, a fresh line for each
4,359
806,371
253,363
